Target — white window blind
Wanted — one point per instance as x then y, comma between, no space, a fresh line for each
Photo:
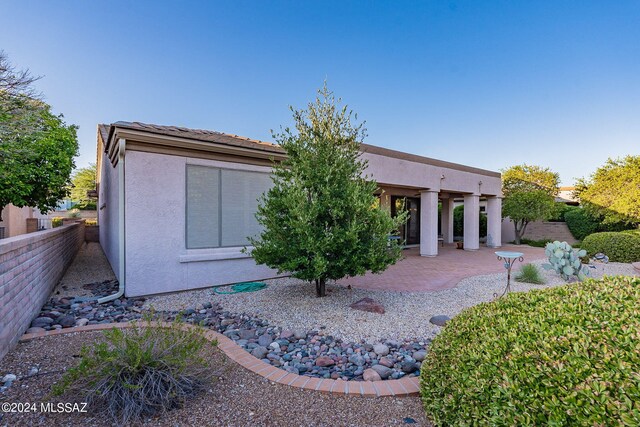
221,206
240,193
203,206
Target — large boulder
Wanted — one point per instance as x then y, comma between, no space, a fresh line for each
370,375
367,304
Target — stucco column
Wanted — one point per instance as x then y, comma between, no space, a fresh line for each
447,220
471,222
494,222
429,223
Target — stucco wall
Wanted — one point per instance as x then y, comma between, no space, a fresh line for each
393,171
30,266
539,230
156,256
108,203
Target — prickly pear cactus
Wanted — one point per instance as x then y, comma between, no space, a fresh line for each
565,260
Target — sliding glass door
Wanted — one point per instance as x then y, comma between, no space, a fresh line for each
410,232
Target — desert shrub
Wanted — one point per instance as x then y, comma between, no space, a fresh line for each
542,357
458,222
91,222
141,371
529,273
580,223
56,221
619,247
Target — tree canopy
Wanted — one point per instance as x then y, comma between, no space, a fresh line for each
83,180
321,220
36,146
612,193
529,195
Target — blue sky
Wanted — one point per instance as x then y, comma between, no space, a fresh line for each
488,84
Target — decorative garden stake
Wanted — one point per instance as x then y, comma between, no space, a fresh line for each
509,259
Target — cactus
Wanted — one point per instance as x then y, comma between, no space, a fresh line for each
565,260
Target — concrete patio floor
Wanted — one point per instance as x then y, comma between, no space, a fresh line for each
415,273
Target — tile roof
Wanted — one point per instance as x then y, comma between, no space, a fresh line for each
202,135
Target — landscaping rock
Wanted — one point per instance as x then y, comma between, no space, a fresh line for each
247,334
66,321
385,361
82,322
324,361
265,340
368,304
419,355
259,352
41,322
381,349
370,375
9,378
383,371
409,367
440,320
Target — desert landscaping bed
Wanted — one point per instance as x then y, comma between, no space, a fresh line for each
237,397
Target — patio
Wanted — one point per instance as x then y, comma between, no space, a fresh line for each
415,273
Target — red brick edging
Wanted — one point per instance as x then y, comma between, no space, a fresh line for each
399,388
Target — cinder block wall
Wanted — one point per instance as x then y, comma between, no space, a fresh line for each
30,266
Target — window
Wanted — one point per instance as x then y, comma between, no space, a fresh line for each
221,206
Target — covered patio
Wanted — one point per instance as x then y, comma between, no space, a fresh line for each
415,273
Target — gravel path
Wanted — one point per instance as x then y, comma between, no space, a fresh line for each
238,398
90,266
292,304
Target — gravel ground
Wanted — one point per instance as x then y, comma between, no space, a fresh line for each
238,398
89,266
292,304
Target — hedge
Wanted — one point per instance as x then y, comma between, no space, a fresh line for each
560,356
458,222
580,223
619,247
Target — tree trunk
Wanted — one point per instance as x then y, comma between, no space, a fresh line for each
320,288
519,231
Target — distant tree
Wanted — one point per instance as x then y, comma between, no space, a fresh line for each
612,193
36,146
529,195
83,180
321,220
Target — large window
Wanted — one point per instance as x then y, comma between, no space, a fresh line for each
221,206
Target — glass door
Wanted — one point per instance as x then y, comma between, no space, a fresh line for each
410,232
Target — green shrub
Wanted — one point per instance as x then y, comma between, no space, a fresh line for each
458,222
580,223
56,221
86,205
559,356
560,210
140,372
536,243
619,247
529,273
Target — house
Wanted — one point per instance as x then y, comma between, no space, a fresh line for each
175,205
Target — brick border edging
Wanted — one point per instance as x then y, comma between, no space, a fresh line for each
398,388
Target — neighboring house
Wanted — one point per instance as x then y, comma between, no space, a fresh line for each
175,205
565,195
14,221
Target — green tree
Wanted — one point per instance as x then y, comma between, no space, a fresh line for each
529,195
83,180
612,193
321,221
36,146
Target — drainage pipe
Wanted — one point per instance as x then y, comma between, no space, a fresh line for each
121,234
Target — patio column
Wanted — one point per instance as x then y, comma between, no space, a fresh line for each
447,220
471,222
494,222
428,223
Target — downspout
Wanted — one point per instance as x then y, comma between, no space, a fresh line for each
121,234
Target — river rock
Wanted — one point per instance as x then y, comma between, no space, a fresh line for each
381,349
370,375
259,352
324,361
383,371
439,320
